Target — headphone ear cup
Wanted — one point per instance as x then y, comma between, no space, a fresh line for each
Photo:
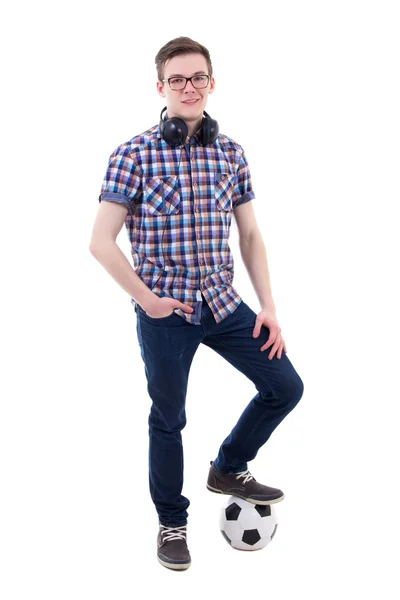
174,131
209,130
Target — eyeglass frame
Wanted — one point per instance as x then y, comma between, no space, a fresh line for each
187,79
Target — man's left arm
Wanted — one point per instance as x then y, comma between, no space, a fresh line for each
254,257
254,254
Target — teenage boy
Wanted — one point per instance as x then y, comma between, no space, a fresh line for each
176,187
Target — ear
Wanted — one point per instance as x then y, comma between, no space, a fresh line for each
212,85
160,88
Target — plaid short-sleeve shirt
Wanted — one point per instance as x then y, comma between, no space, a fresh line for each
180,202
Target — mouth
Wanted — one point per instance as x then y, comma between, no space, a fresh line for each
190,102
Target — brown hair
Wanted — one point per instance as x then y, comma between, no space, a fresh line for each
180,45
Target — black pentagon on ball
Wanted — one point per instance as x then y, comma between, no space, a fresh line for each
251,537
264,510
225,536
232,512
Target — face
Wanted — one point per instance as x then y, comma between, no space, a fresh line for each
186,65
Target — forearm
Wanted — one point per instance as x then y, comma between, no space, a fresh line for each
111,257
254,257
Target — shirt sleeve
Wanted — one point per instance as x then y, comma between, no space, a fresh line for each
243,191
122,179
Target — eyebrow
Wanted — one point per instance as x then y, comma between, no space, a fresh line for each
180,74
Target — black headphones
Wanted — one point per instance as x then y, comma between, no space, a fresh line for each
175,131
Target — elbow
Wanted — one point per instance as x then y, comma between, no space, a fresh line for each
96,246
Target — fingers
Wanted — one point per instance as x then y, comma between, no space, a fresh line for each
274,336
277,343
183,306
274,349
256,330
270,342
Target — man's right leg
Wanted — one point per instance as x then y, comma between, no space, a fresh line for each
167,347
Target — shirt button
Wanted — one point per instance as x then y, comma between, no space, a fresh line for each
196,210
194,184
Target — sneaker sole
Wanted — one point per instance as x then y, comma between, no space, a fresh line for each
264,502
176,566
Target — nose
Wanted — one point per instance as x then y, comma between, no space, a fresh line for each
191,85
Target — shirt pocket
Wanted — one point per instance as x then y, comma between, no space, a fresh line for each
161,195
223,190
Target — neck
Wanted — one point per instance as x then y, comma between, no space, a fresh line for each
193,127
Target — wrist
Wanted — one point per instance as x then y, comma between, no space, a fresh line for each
148,302
269,307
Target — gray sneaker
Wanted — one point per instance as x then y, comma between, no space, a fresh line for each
172,550
242,485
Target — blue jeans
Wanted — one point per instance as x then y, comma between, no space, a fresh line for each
167,347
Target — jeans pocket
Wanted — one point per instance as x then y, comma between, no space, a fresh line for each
161,195
144,313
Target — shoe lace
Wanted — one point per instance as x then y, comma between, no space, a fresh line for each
173,533
246,475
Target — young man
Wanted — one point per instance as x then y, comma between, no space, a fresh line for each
176,187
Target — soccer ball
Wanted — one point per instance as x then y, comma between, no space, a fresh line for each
247,526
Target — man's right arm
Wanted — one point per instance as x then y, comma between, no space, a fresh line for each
108,223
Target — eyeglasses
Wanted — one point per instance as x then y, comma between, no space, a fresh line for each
179,83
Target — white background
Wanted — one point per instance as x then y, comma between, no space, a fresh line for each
311,91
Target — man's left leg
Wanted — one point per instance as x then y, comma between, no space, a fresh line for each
279,390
